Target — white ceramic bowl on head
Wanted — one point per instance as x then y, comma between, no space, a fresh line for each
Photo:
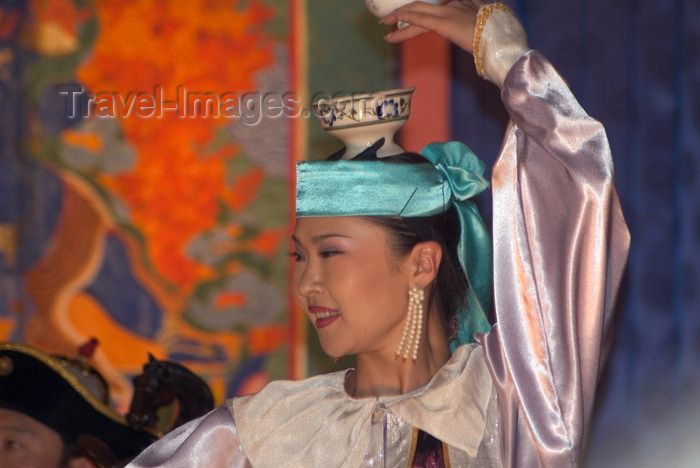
384,7
360,120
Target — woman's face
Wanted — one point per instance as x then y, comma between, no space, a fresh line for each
352,288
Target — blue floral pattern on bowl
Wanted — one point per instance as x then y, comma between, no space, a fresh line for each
388,109
359,120
363,109
328,116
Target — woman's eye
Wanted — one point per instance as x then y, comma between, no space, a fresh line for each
296,256
329,253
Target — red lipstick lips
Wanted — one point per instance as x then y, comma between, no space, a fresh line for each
324,316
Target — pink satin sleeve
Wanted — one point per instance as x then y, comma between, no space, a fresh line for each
560,247
207,442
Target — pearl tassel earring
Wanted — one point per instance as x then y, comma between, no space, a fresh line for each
410,338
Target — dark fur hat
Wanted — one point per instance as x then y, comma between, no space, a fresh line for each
62,394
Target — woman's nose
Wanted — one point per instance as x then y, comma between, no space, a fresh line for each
307,279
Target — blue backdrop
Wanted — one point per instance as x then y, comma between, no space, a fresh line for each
635,66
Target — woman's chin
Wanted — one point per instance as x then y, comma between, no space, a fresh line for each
333,351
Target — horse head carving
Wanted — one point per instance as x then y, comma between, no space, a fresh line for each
164,383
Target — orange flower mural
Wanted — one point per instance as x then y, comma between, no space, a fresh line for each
158,243
204,46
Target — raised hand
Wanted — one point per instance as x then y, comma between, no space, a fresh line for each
454,21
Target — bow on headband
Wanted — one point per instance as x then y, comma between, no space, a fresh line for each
378,188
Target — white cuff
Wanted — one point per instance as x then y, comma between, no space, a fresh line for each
502,42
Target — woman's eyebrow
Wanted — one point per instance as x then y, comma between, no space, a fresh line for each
319,237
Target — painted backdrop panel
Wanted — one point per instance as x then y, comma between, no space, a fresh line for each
130,211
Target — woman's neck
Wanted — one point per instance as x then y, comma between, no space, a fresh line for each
380,374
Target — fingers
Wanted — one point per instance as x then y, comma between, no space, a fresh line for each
454,21
419,19
411,9
406,33
426,20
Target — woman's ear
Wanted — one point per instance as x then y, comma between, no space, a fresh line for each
425,261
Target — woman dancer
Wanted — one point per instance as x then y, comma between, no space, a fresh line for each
394,265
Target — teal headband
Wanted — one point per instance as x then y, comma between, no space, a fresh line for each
378,188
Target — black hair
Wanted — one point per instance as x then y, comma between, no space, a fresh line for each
450,285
